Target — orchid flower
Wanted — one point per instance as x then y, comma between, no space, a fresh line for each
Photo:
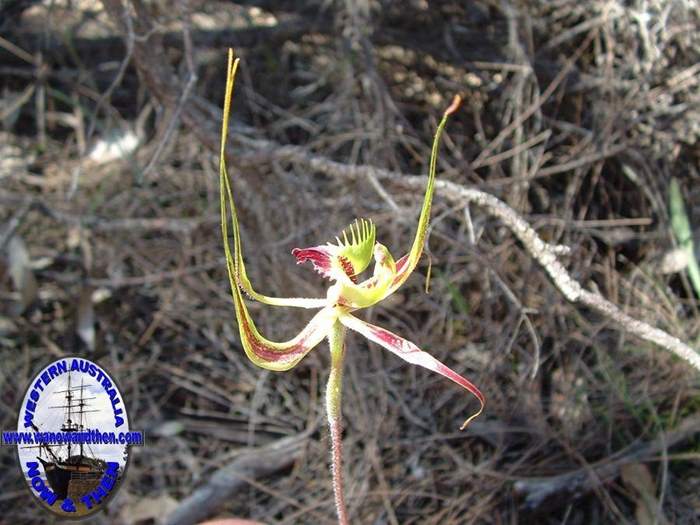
342,264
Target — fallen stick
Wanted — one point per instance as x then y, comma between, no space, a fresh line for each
544,253
557,490
225,482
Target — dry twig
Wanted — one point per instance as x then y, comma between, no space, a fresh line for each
229,479
543,253
539,491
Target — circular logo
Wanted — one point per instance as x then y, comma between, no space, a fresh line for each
73,437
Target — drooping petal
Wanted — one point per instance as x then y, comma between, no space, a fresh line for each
409,352
280,356
234,259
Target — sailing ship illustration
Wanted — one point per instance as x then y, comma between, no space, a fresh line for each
68,473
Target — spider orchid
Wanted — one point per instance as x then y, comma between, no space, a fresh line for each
341,263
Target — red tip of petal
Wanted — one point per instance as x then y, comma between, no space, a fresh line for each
321,258
456,101
318,256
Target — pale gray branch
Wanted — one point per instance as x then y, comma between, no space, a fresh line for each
544,253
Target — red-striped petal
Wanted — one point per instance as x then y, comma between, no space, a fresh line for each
320,257
409,352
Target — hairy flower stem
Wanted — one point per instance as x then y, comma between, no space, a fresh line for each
336,340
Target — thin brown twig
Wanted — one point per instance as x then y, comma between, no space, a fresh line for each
14,223
186,91
130,37
18,51
532,108
103,224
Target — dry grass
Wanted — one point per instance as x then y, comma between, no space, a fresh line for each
577,114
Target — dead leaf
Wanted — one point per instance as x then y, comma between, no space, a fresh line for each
674,261
21,273
153,509
86,318
638,479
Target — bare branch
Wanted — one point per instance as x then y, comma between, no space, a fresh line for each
544,253
541,491
97,223
229,479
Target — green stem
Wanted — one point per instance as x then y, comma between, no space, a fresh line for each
684,233
336,341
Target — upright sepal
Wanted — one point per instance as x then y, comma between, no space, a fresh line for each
406,264
234,258
388,275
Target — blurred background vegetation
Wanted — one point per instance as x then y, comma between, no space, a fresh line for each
577,114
